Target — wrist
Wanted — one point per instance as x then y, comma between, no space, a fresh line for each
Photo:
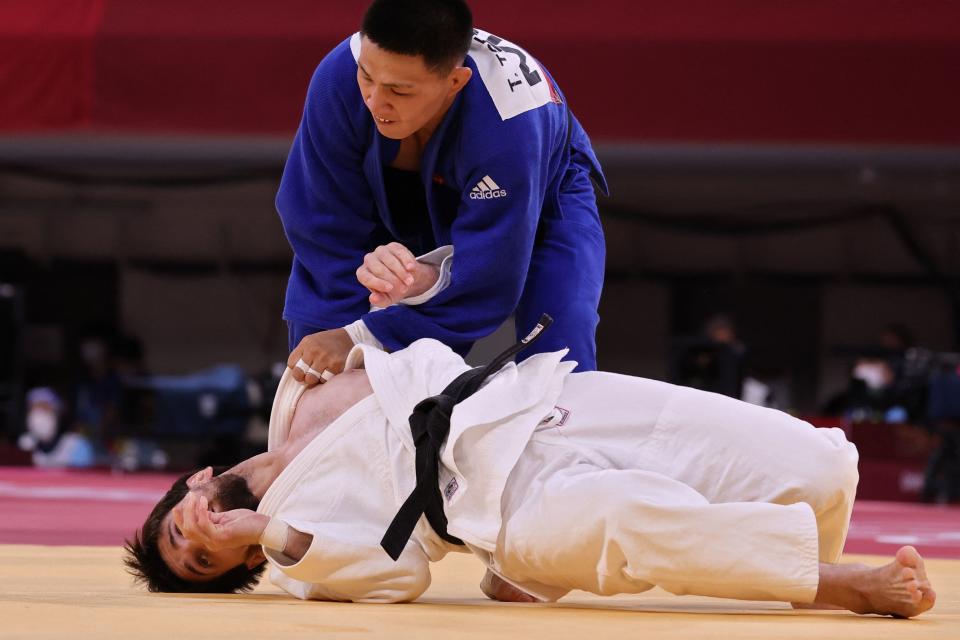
343,338
274,535
426,276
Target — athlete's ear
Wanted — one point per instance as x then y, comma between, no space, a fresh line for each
204,475
459,78
255,558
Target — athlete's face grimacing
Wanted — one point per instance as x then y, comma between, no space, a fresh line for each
403,95
192,561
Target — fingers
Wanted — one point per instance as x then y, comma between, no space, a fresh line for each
399,260
311,376
208,534
301,362
366,277
188,520
380,299
403,255
295,356
389,263
177,514
211,530
319,356
383,266
312,379
388,269
303,366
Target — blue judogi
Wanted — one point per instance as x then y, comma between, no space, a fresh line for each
507,176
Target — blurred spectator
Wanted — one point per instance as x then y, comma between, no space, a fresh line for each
99,391
895,339
712,360
942,475
879,388
128,357
43,417
43,438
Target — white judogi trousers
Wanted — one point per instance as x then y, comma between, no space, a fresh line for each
637,483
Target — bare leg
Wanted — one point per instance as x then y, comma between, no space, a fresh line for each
900,588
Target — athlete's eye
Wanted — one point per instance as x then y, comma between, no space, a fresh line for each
397,93
203,562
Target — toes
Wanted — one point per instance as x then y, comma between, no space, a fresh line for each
907,574
915,594
909,557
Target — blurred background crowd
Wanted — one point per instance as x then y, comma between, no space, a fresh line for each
783,226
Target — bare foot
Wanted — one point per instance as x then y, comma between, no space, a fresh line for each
820,606
900,588
497,589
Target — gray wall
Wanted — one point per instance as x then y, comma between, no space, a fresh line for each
200,271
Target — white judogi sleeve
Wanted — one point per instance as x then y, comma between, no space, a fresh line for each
340,490
346,563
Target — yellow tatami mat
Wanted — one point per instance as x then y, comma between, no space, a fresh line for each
83,592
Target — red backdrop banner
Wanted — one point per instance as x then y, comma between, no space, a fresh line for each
701,71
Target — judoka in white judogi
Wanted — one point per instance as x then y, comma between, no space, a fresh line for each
559,481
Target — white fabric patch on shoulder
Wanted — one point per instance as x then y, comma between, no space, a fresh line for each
514,79
355,46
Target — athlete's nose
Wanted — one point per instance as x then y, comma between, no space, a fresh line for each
375,102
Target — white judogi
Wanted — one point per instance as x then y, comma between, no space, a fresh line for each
562,481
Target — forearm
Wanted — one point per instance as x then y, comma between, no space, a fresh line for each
455,320
297,544
279,536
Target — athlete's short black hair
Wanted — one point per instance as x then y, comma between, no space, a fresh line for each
437,30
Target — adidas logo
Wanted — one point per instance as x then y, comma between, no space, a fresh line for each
487,189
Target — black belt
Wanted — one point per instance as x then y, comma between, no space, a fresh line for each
430,424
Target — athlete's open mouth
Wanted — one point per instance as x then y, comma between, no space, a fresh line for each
382,120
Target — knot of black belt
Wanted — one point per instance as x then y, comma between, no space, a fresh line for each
430,424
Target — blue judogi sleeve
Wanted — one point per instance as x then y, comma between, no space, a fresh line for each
324,201
493,239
